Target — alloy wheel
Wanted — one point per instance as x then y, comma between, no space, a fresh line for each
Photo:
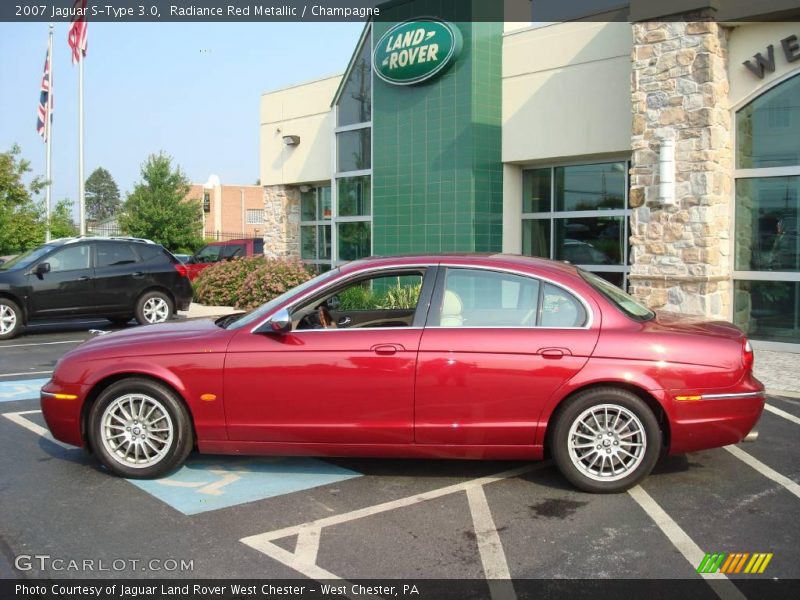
8,319
607,442
155,310
137,430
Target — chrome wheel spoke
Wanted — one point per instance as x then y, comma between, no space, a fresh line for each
129,435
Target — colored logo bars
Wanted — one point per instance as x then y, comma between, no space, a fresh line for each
735,562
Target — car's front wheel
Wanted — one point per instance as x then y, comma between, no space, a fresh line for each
10,319
606,440
154,307
139,429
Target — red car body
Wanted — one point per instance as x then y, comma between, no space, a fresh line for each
221,251
422,391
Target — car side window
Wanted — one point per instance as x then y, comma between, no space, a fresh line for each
481,298
561,309
71,258
112,255
209,254
379,301
232,251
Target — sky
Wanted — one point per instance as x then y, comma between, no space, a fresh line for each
191,90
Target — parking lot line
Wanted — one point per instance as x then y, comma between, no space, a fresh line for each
42,344
721,585
766,471
495,566
782,413
19,419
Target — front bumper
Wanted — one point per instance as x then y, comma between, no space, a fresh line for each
715,418
61,409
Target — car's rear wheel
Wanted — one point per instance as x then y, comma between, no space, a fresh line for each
154,307
10,319
139,429
606,440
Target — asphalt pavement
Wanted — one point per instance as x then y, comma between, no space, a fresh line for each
245,517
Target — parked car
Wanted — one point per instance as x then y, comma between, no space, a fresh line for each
490,357
115,278
184,258
219,251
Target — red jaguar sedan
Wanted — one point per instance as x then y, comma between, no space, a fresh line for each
479,357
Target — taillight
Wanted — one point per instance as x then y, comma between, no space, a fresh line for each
748,358
182,270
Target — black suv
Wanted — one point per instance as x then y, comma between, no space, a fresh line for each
115,278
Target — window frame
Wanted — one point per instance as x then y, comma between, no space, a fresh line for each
438,297
64,248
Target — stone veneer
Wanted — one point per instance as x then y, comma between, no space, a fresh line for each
681,253
281,221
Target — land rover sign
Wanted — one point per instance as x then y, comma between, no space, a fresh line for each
415,51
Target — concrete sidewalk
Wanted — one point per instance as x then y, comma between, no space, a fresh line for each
778,371
200,310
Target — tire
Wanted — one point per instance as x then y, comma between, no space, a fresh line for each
154,307
10,319
623,463
134,447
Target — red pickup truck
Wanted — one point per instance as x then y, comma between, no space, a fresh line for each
219,251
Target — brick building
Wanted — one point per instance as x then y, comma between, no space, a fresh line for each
230,211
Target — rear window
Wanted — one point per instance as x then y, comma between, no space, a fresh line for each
626,303
154,252
112,255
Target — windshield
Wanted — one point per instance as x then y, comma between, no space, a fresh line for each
623,301
26,258
260,312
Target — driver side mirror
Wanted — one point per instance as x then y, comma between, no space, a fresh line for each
280,323
42,268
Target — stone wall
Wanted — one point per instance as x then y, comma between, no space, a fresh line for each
681,252
281,221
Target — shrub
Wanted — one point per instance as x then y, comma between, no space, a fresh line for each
221,283
361,297
269,279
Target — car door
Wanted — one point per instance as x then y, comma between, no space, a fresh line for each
497,346
68,287
348,384
118,277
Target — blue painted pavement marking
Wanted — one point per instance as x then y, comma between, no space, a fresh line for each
208,483
23,389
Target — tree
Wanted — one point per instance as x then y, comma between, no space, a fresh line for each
21,223
61,223
158,210
102,195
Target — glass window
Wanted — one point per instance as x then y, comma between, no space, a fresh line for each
209,254
590,187
561,309
536,191
590,241
536,237
767,213
109,255
255,216
230,251
394,292
355,102
315,204
768,129
71,258
25,259
315,242
354,240
354,196
478,298
626,303
768,310
353,152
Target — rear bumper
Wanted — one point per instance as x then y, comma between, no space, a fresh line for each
61,409
183,294
705,419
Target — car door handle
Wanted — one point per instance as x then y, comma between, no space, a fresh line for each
138,274
386,349
344,321
84,278
553,353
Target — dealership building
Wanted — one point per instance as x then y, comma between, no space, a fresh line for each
659,151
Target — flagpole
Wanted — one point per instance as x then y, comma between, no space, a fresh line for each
48,127
81,191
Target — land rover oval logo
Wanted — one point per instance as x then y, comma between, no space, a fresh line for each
415,51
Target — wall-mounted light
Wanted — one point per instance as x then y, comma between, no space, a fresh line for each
291,140
305,188
666,172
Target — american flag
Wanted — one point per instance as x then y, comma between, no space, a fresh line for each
77,32
45,101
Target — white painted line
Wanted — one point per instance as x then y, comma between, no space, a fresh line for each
25,373
782,413
721,585
308,545
43,344
766,471
493,558
16,417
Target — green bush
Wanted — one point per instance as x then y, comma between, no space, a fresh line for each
269,279
361,297
221,283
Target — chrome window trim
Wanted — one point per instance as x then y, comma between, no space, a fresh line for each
729,396
511,270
